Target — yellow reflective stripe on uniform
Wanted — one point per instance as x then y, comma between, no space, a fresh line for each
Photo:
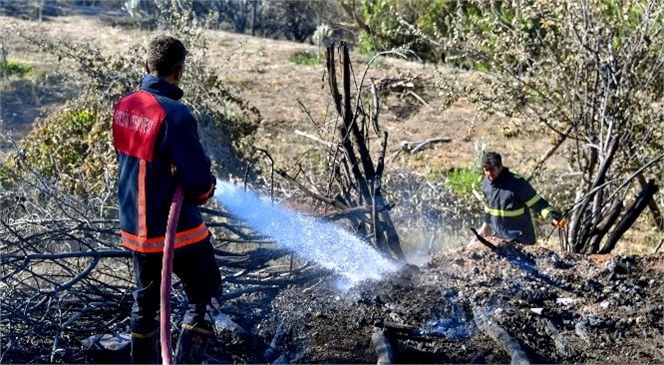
546,211
533,200
197,329
504,213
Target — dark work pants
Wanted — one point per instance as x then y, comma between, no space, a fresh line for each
198,271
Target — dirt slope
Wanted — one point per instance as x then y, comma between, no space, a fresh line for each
260,70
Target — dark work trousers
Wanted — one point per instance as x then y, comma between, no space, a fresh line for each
198,271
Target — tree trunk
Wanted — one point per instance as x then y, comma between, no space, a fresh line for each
630,216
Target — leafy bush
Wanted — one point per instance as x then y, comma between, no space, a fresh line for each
13,67
304,58
462,181
388,22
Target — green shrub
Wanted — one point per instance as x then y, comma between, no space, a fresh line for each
304,58
463,180
58,146
15,68
386,20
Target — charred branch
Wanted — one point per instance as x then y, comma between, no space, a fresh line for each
562,345
603,226
354,174
494,330
483,240
655,212
630,216
582,221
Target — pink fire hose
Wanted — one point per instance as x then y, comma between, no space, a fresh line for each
166,271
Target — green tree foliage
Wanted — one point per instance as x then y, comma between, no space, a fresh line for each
388,24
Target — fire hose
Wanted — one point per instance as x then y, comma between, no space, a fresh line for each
166,275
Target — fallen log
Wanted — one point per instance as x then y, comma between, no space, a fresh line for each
407,146
410,331
272,352
500,335
562,345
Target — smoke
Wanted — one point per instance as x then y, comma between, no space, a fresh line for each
327,244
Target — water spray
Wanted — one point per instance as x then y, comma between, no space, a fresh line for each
325,243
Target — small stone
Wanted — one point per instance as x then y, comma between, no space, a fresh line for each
565,301
537,311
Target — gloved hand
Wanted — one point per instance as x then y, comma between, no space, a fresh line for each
557,220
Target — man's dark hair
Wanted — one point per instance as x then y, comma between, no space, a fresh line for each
492,159
165,55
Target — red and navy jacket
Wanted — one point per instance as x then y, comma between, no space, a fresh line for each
158,148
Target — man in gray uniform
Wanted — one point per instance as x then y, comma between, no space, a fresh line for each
510,198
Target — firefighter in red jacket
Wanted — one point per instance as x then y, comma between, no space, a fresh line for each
509,200
158,147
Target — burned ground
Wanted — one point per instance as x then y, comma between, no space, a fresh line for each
470,306
515,304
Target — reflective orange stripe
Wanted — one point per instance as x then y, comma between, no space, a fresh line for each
142,214
156,244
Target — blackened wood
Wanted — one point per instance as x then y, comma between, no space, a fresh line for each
391,237
580,243
630,216
562,345
652,205
494,330
603,227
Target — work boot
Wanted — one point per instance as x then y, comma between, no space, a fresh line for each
191,343
145,348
